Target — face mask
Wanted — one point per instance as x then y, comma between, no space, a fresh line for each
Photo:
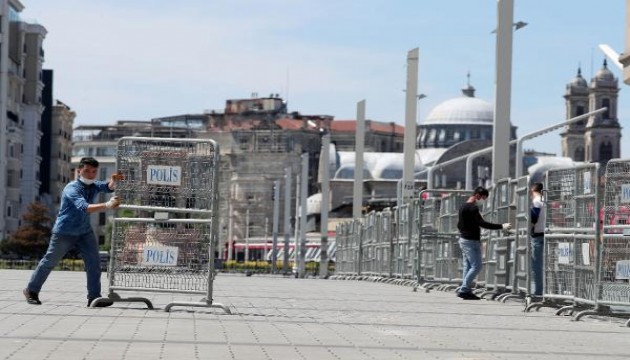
480,203
86,181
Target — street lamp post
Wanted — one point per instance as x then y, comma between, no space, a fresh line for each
501,129
411,109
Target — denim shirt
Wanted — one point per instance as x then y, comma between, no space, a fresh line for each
73,217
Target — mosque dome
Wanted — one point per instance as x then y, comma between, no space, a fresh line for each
465,110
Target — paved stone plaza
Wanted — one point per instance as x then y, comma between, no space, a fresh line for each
287,318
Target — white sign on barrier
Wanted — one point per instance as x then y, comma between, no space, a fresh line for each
164,175
586,254
624,194
623,270
564,253
587,183
160,255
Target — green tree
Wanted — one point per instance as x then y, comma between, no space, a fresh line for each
32,237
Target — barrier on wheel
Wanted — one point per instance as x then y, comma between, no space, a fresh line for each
164,236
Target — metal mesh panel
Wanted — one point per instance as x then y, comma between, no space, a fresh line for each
448,257
132,238
489,244
428,219
165,233
615,252
587,206
386,238
572,203
401,242
502,243
559,266
559,258
560,188
198,162
369,245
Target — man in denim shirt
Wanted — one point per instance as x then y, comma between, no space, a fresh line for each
72,228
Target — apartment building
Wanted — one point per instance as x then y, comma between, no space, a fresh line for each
21,84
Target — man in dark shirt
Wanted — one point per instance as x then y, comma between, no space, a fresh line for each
537,217
469,225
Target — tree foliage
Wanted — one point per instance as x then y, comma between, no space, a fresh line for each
32,237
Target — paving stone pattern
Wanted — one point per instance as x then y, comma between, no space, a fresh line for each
287,318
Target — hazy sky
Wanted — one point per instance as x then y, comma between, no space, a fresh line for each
135,60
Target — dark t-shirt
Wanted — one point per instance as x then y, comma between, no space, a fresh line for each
470,220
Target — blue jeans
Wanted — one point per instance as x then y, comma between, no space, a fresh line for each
471,253
538,247
59,246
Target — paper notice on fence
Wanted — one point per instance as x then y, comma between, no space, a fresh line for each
624,193
623,270
564,253
586,254
587,183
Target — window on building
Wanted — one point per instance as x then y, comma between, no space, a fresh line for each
474,134
605,152
450,134
606,104
579,154
579,110
102,218
101,239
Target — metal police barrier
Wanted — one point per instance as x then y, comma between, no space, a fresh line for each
402,242
521,249
487,279
558,270
438,248
369,265
500,242
506,250
343,264
385,239
164,236
613,297
427,222
570,251
448,257
586,245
